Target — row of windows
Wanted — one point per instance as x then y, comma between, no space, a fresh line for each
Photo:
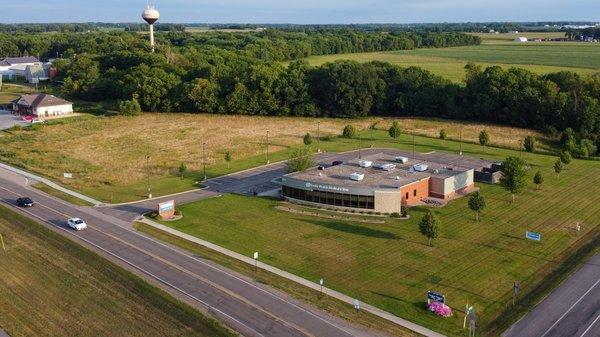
330,198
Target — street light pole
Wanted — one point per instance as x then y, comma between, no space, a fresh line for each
204,158
359,146
267,147
460,141
148,171
413,146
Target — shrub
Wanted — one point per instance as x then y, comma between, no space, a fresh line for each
349,131
404,211
130,108
565,157
16,127
395,130
300,160
395,215
440,309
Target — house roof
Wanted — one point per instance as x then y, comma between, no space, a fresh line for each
9,61
41,100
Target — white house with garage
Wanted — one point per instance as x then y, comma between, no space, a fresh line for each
42,106
16,66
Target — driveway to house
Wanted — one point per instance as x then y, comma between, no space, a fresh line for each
8,120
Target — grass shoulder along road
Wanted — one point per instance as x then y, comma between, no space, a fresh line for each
61,195
390,265
52,286
302,293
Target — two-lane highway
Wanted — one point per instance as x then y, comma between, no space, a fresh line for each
251,308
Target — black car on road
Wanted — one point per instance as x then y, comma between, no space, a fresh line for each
25,202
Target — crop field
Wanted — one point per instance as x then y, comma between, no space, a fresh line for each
391,266
538,57
108,158
509,37
54,287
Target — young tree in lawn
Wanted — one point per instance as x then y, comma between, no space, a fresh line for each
513,177
228,158
558,167
307,139
300,160
484,138
429,226
477,203
538,179
443,134
349,131
529,144
395,130
565,157
182,169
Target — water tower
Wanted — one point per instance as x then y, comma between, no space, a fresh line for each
151,15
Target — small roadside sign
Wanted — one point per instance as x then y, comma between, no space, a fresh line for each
533,236
357,305
68,175
517,288
435,296
256,255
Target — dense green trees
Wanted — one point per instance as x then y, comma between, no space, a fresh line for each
513,177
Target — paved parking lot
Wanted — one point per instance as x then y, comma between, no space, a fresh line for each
7,120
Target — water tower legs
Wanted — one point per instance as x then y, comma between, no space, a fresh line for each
152,37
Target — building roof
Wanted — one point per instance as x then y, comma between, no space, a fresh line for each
439,165
10,61
41,100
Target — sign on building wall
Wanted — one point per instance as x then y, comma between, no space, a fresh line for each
166,209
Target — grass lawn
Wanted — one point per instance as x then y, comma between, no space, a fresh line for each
61,195
391,266
52,286
108,157
538,57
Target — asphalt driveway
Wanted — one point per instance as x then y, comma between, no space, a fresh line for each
7,120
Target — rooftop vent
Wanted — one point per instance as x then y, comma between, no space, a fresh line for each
420,167
365,163
357,176
402,160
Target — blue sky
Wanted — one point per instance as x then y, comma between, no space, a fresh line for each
304,11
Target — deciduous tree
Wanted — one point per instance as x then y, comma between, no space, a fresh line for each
429,226
513,177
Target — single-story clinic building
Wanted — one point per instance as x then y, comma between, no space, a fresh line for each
385,181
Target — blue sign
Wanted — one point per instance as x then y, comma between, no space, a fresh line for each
533,236
432,295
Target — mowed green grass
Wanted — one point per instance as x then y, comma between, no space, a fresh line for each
390,265
538,57
54,287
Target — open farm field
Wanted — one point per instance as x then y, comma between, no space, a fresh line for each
538,57
107,155
52,286
391,266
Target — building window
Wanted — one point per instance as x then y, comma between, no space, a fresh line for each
406,196
415,193
330,198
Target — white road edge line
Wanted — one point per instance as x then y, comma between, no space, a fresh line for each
208,306
571,308
589,327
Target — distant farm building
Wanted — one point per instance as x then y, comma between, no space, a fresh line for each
42,105
521,39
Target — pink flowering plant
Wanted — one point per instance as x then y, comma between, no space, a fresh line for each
439,309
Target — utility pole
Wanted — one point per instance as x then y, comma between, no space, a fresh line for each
319,137
267,153
204,158
148,169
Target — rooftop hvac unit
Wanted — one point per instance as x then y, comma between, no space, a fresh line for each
402,160
420,167
365,163
388,167
357,176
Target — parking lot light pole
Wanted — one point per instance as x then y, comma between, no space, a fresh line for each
267,153
318,137
148,171
204,159
460,140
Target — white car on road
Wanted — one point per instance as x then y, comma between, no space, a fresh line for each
77,224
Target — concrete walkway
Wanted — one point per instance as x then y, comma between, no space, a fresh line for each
315,286
51,184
